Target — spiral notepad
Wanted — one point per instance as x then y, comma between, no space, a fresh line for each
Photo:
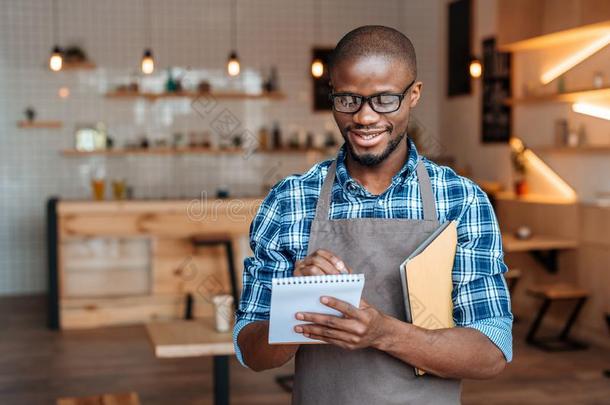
302,294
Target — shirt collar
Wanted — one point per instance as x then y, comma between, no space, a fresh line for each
347,182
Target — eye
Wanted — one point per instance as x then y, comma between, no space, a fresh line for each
347,100
385,99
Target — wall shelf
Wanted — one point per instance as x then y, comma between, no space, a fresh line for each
193,95
182,151
83,65
558,38
39,124
566,97
573,150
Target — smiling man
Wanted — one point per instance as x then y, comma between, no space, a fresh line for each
365,212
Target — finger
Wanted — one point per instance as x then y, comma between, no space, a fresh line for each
328,333
312,271
324,264
334,342
345,308
336,261
330,321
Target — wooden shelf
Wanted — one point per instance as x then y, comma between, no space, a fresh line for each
39,124
182,151
567,97
558,38
573,150
190,94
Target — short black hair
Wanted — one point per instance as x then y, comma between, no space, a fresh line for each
375,40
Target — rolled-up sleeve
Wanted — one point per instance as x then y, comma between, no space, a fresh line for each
259,269
480,296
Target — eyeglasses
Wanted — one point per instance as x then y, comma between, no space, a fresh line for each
381,103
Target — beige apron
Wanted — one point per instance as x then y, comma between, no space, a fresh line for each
327,374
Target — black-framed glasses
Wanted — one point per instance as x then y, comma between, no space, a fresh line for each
381,103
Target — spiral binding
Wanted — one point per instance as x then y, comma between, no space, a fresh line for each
327,278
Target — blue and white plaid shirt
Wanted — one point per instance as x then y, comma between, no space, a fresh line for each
279,235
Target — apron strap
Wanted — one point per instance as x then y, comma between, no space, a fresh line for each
323,206
425,189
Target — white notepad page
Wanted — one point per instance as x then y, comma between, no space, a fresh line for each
302,294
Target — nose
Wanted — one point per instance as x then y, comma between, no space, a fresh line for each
366,115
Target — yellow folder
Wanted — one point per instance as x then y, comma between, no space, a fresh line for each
427,280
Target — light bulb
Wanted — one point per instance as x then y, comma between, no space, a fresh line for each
56,61
317,68
148,63
233,67
476,68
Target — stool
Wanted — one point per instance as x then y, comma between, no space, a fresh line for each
129,398
550,293
512,277
228,245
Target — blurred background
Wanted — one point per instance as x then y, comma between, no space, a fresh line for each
137,139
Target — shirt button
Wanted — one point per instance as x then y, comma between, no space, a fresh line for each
351,186
380,202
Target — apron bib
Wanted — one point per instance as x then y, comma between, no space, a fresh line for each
326,374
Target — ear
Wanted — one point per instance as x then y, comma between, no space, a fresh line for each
415,94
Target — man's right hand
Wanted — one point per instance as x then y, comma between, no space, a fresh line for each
319,263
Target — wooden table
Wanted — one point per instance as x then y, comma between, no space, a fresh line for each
196,338
543,248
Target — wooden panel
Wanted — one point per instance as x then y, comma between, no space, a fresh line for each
529,15
189,339
594,11
97,312
560,15
541,218
595,225
105,267
178,268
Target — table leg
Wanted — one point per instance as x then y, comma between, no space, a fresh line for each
221,380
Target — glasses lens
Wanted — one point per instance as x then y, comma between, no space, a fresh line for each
384,103
346,103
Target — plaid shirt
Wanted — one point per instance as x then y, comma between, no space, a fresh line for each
279,235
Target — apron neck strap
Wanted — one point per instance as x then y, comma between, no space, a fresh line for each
425,189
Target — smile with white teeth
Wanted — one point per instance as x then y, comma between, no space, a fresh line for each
371,136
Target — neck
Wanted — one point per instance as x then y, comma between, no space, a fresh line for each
376,179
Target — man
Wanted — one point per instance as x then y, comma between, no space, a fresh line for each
365,212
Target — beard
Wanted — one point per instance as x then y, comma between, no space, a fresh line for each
370,159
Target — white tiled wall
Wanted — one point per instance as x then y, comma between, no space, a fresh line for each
187,33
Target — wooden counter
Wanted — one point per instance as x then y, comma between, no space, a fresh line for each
135,261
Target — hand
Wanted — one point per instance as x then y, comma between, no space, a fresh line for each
356,329
320,262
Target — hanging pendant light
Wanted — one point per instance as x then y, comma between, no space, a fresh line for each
317,66
233,66
475,68
56,59
148,63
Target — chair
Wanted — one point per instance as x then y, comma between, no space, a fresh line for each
550,294
228,245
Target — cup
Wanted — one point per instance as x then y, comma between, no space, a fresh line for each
98,188
118,189
223,309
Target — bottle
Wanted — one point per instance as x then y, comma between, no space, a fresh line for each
263,138
276,135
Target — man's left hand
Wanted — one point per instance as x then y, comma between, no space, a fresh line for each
356,329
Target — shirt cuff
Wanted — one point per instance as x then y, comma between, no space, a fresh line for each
239,325
499,331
